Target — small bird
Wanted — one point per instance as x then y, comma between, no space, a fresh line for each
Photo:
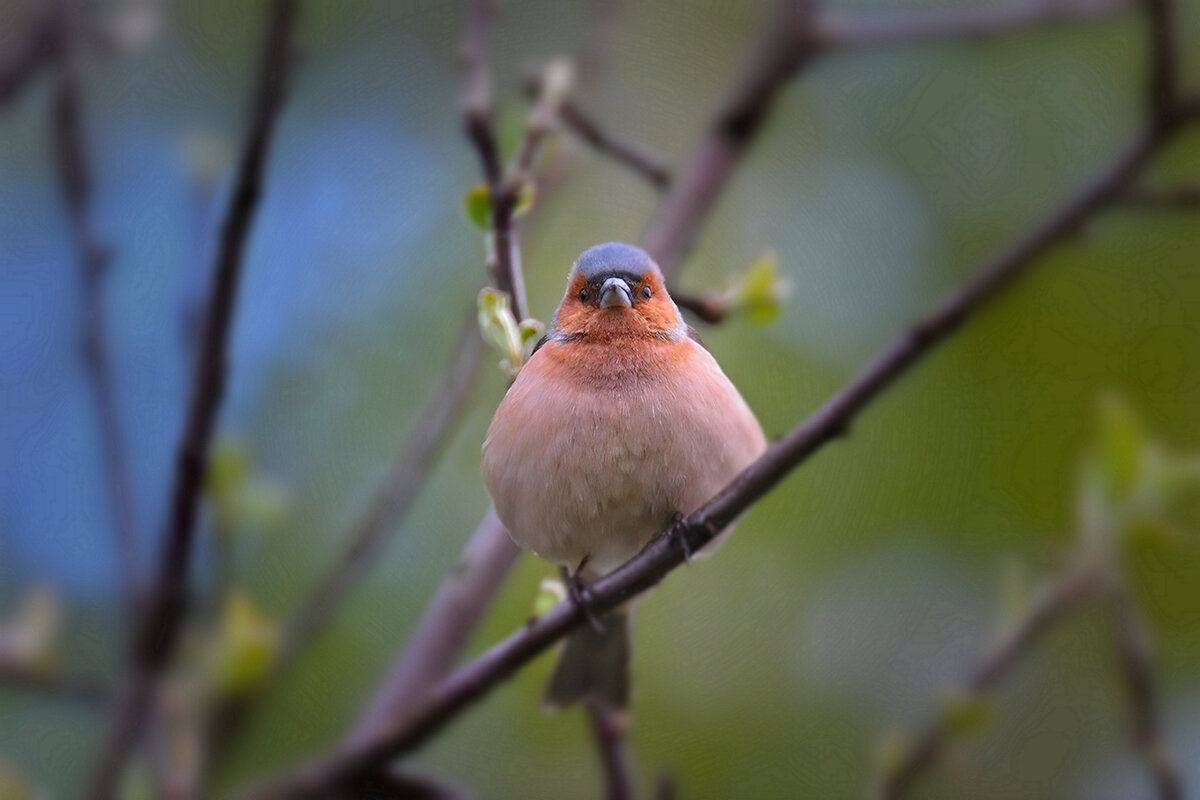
619,423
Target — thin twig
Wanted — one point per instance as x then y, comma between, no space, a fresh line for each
1077,585
159,627
395,496
919,28
473,681
382,514
608,732
710,308
637,158
1137,670
75,177
785,45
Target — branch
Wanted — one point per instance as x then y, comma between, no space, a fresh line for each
473,681
583,125
608,730
394,497
382,514
159,626
1181,197
917,28
1137,671
1066,595
785,45
75,177
39,49
444,629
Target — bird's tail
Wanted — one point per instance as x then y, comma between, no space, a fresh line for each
594,665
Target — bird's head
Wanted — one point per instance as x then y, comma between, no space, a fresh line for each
615,291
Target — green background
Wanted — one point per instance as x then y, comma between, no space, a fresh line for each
856,593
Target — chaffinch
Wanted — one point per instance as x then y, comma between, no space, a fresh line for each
619,422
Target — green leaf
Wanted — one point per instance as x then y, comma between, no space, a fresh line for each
245,645
526,197
964,715
550,593
761,289
477,203
531,332
1122,447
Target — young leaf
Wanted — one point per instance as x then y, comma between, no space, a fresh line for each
245,645
477,204
761,289
550,593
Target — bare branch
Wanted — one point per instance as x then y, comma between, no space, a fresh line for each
381,515
39,49
583,125
1181,197
708,308
1163,80
1066,595
786,43
918,28
75,177
159,627
1137,670
443,631
608,732
395,496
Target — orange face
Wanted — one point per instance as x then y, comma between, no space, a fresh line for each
616,291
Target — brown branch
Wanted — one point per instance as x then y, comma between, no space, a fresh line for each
629,154
1065,596
395,496
786,43
608,732
918,28
382,514
447,624
473,681
1137,670
1180,197
75,178
159,627
710,308
39,49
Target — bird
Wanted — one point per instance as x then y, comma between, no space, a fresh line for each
619,423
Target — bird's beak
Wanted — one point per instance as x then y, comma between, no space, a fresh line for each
615,292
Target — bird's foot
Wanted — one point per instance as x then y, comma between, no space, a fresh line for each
676,534
579,592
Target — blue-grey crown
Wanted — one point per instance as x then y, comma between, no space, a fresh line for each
614,258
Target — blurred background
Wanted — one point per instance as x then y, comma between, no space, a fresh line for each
850,600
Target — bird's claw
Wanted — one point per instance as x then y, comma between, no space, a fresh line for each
676,533
578,591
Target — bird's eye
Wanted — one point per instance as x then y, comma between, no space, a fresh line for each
646,292
584,295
